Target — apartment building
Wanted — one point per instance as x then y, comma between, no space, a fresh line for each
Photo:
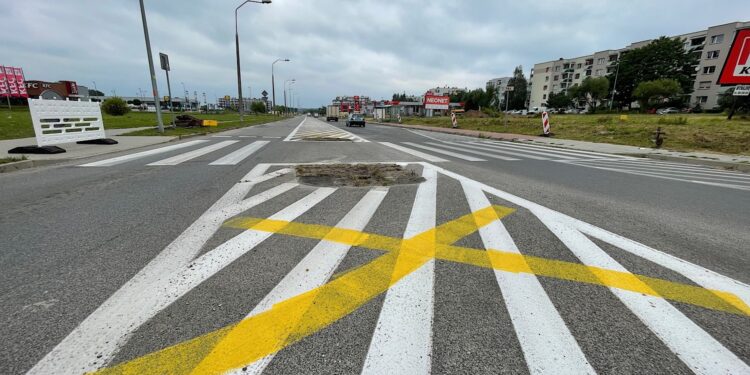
711,45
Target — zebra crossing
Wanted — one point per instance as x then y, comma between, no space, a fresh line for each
311,129
671,171
480,151
233,158
318,291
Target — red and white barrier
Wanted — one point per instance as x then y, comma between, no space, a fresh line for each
454,120
545,123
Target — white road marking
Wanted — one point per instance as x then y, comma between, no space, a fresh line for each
193,154
496,150
142,154
548,345
565,150
441,151
240,154
319,129
424,135
465,149
221,136
291,135
416,153
402,341
96,340
646,166
662,176
694,346
523,150
317,266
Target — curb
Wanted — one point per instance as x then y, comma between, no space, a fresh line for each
25,164
743,167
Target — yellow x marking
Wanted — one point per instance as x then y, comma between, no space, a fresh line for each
292,320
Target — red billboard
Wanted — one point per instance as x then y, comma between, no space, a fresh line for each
736,70
10,78
436,102
356,104
21,85
4,90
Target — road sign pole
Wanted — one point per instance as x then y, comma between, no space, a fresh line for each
160,124
169,92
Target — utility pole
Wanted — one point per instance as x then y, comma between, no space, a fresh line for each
237,51
273,84
614,86
151,70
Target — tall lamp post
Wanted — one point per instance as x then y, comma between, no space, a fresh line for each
273,84
237,50
290,84
614,86
151,70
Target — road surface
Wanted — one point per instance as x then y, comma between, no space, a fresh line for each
209,256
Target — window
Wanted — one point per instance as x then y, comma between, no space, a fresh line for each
588,73
697,41
556,78
544,96
599,72
578,75
612,58
589,61
709,69
600,61
578,66
546,70
716,39
546,79
701,99
712,55
557,68
545,87
563,85
704,85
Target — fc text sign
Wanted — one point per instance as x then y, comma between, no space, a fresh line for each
736,69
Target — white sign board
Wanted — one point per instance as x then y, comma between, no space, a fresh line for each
62,121
741,90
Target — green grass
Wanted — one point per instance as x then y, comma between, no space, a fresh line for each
12,159
17,124
232,124
684,132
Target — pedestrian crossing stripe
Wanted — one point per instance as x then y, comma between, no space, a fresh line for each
294,319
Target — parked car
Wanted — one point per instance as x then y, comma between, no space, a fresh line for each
667,110
355,119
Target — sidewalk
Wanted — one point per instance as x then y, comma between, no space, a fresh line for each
74,150
739,162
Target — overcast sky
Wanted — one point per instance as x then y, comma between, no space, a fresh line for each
337,47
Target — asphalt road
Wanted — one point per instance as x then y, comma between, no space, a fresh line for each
208,256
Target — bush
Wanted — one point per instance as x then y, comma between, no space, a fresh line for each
673,120
115,106
258,107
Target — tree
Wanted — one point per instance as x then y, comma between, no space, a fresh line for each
517,97
651,93
662,58
733,104
258,107
115,106
95,93
591,90
137,102
560,100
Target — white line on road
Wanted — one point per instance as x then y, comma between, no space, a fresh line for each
240,154
289,137
402,341
95,341
507,152
193,154
507,146
547,343
694,346
441,151
142,154
460,147
563,150
317,266
416,153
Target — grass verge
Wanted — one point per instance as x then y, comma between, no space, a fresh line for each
223,125
12,159
17,124
684,132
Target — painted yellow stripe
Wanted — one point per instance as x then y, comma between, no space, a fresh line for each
291,320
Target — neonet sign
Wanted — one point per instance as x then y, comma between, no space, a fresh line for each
736,70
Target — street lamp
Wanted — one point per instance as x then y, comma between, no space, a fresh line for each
273,84
237,49
185,91
290,84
